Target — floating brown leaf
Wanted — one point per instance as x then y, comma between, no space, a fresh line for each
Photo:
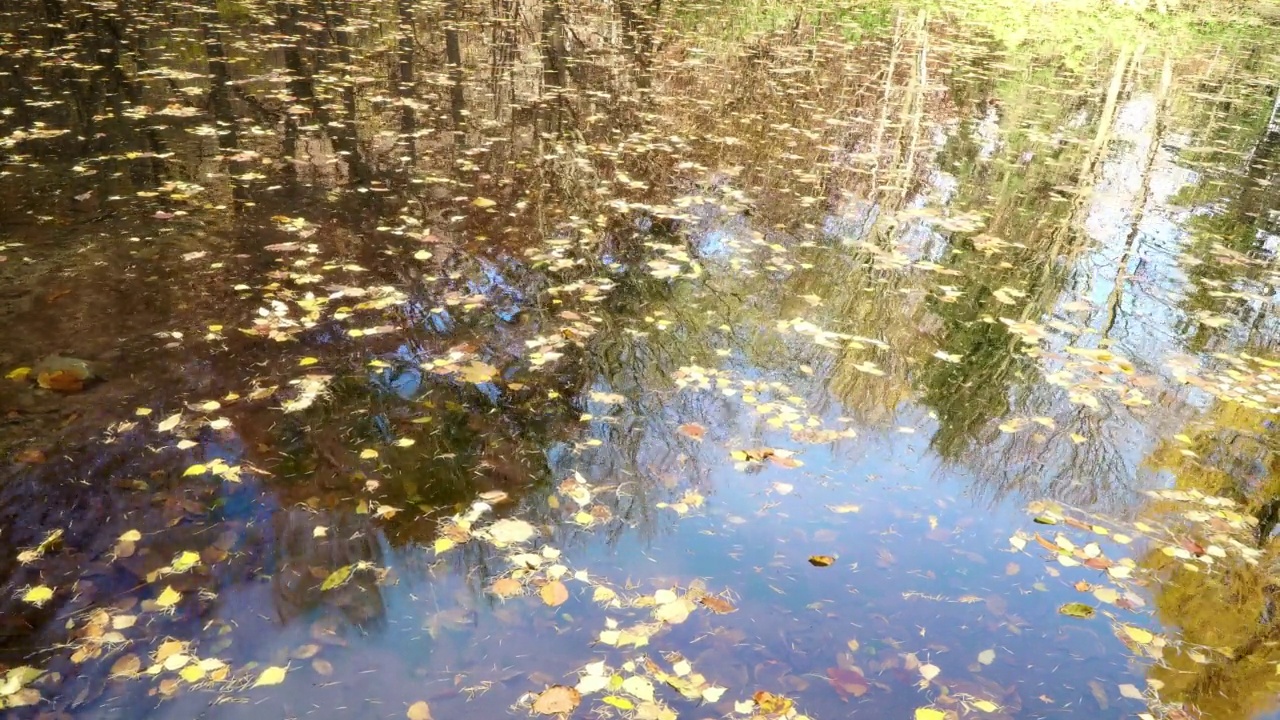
771,704
127,666
556,700
507,587
717,605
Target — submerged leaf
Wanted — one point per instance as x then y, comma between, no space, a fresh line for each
692,430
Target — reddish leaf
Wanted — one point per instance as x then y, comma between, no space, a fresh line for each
848,682
693,430
1192,547
720,606
1078,524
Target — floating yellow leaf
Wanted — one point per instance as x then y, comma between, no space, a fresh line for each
38,595
639,686
168,597
986,705
196,469
20,373
273,675
483,202
368,454
925,713
419,711
619,702
1139,635
185,561
169,423
443,545
304,362
337,578
477,372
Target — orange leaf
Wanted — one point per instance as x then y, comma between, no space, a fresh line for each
61,381
554,593
693,430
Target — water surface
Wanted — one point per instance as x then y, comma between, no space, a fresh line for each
718,360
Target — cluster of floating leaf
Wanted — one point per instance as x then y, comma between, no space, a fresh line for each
635,687
1196,531
1245,379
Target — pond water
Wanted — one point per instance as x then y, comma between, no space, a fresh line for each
646,360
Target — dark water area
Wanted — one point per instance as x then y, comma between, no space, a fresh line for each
644,360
